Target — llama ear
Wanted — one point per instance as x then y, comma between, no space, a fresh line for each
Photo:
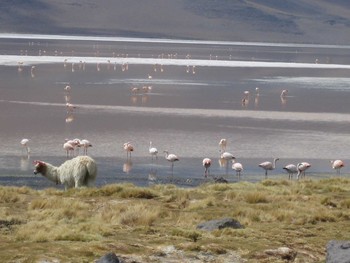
38,162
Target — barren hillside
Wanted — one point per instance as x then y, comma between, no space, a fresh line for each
308,21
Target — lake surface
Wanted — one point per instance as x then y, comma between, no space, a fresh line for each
194,99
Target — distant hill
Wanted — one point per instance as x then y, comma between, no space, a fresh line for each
307,21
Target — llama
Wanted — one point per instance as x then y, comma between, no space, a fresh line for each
77,172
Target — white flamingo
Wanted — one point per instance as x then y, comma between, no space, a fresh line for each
70,107
24,143
171,158
238,167
223,144
206,164
85,144
269,165
302,167
67,88
337,165
257,91
284,93
226,156
153,151
291,169
135,90
128,147
284,97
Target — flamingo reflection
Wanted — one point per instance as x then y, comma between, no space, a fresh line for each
127,166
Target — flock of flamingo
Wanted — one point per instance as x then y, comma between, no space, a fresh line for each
72,146
72,149
291,169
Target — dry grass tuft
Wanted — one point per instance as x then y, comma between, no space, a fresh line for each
138,215
255,197
7,195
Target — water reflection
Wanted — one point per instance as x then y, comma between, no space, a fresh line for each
24,163
69,117
32,71
127,166
283,101
152,176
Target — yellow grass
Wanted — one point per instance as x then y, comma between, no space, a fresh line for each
84,224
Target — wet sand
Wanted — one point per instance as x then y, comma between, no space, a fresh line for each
190,107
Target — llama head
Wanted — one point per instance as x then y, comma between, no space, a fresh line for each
40,167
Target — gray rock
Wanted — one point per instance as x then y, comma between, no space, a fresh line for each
219,224
220,180
109,258
338,251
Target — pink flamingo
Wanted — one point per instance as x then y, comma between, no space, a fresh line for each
337,165
206,163
128,147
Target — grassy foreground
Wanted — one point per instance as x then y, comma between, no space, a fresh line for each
81,225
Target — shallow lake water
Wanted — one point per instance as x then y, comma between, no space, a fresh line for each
194,99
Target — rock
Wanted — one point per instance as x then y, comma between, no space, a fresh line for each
219,224
109,258
221,180
285,253
338,251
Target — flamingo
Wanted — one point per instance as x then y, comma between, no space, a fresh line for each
67,88
226,156
302,167
24,143
68,147
153,150
238,167
257,91
245,100
284,93
135,90
86,144
128,147
75,143
171,158
291,169
257,95
70,107
337,165
223,144
20,64
284,97
146,89
206,163
269,165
